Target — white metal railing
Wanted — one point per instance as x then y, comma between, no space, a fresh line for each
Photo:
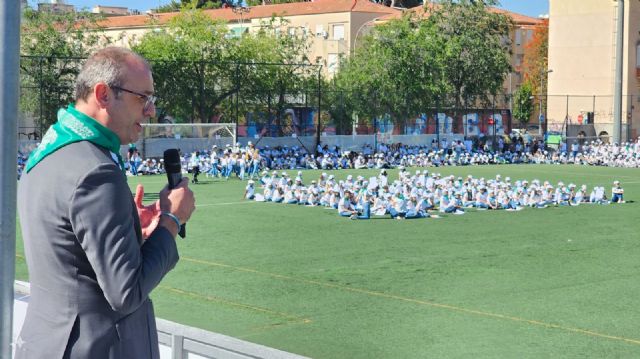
177,341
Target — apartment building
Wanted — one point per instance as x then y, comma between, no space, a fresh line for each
333,24
582,56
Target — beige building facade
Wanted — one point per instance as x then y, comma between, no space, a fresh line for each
332,25
335,26
582,57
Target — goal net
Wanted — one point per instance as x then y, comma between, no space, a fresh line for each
188,137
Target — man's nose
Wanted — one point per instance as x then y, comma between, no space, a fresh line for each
150,110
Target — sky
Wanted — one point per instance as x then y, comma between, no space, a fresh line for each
532,8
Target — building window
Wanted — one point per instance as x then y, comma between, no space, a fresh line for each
338,32
638,56
332,63
518,37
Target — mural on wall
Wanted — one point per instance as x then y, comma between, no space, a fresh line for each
301,121
445,124
418,127
472,124
495,125
296,120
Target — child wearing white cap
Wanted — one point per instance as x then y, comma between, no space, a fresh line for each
345,205
617,193
249,190
599,196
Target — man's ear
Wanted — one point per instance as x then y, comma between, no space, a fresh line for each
102,94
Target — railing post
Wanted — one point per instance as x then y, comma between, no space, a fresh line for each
9,66
177,346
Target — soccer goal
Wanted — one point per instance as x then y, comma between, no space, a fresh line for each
188,137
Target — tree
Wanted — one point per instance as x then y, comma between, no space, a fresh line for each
202,4
408,66
476,49
276,69
399,3
172,6
190,62
522,104
536,58
397,71
52,47
199,66
176,5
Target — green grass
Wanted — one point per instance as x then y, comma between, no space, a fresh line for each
556,282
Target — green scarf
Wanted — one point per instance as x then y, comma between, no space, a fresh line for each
75,126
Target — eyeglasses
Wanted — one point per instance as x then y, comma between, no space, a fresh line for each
149,99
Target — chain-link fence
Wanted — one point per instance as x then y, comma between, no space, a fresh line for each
490,116
46,84
263,99
587,115
292,100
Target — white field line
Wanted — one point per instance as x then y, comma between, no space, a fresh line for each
224,204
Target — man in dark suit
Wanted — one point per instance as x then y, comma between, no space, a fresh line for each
90,267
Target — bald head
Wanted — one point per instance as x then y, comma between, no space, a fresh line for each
109,66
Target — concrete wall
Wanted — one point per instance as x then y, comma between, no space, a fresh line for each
156,147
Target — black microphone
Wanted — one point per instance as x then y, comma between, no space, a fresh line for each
174,174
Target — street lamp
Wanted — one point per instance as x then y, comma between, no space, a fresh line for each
541,118
355,39
240,10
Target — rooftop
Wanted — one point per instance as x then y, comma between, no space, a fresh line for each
262,11
518,19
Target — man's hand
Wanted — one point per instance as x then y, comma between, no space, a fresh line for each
149,215
179,201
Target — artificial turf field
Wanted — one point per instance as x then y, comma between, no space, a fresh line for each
539,283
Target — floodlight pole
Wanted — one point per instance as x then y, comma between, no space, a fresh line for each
617,98
541,119
319,125
241,10
9,66
355,38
